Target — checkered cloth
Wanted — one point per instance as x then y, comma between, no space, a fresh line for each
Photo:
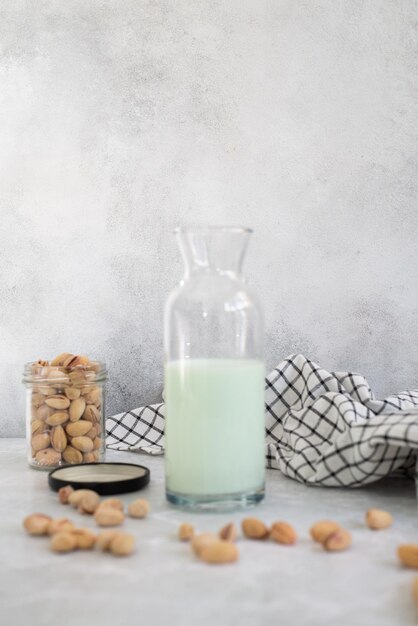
321,427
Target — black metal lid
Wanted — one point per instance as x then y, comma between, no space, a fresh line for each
105,478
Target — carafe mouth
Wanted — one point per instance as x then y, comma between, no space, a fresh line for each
218,249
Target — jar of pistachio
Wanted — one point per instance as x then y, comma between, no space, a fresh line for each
64,411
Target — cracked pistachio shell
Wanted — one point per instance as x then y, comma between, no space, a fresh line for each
91,413
59,360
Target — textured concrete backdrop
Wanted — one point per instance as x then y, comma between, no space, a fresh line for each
121,120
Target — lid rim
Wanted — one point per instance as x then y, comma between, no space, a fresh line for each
108,488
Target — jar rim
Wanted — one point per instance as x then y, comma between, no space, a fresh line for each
208,229
34,372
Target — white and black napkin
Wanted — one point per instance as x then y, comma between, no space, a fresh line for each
322,427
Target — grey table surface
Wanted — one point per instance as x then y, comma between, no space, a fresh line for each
164,583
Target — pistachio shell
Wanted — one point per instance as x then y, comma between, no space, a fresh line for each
43,412
58,439
78,429
77,377
107,516
63,542
58,525
94,396
78,495
36,426
91,413
104,538
92,433
84,444
37,399
47,390
77,409
139,508
59,360
72,393
71,455
39,442
89,457
75,360
58,375
48,457
123,544
37,524
56,419
85,538
58,402
97,443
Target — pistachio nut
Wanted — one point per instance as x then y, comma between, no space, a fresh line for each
58,439
37,426
122,544
72,393
76,496
59,360
71,455
218,552
36,524
77,409
74,360
91,413
94,396
46,390
89,457
84,444
78,429
39,442
58,402
58,418
104,538
85,538
139,508
107,516
48,457
64,493
185,532
63,542
113,503
37,399
59,376
43,412
59,524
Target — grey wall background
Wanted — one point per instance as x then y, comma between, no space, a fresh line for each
121,120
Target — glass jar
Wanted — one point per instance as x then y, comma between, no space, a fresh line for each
65,411
214,376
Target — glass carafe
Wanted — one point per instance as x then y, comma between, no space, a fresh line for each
214,376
